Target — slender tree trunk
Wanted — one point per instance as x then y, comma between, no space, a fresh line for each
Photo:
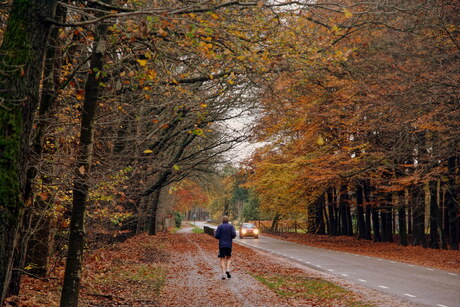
384,220
21,65
402,218
402,225
350,231
343,206
434,238
390,223
367,198
320,217
376,225
418,216
409,220
72,276
451,203
360,212
440,215
141,216
387,219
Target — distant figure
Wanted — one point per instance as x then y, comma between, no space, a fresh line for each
225,233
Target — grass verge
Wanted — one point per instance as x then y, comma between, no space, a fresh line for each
197,230
316,290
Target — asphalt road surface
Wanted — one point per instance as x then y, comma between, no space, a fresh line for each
420,285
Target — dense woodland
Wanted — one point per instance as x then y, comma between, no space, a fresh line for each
114,114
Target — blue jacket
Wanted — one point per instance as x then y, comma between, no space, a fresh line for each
225,233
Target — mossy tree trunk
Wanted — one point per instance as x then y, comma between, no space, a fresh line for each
72,276
51,73
21,65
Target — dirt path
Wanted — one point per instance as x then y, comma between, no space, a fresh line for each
193,279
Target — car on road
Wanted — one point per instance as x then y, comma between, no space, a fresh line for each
249,230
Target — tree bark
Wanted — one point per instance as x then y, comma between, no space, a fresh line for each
153,212
402,218
418,216
330,205
367,198
72,276
360,212
21,65
321,229
50,86
434,237
451,203
376,225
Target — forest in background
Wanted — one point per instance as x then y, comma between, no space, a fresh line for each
115,114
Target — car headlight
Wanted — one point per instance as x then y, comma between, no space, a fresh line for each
256,231
244,231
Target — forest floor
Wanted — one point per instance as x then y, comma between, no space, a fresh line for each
183,270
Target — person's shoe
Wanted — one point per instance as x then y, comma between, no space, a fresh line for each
228,274
223,276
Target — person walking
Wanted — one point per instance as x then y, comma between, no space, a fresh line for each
225,233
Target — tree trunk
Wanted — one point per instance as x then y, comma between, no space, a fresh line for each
153,212
275,221
50,85
72,276
343,212
402,225
418,216
387,219
330,205
367,198
315,216
21,65
321,229
384,216
451,203
434,238
376,225
360,212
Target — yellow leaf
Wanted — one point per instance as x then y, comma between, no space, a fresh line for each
142,62
320,141
82,170
347,13
151,74
148,151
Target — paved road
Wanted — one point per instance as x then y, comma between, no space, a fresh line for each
420,285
